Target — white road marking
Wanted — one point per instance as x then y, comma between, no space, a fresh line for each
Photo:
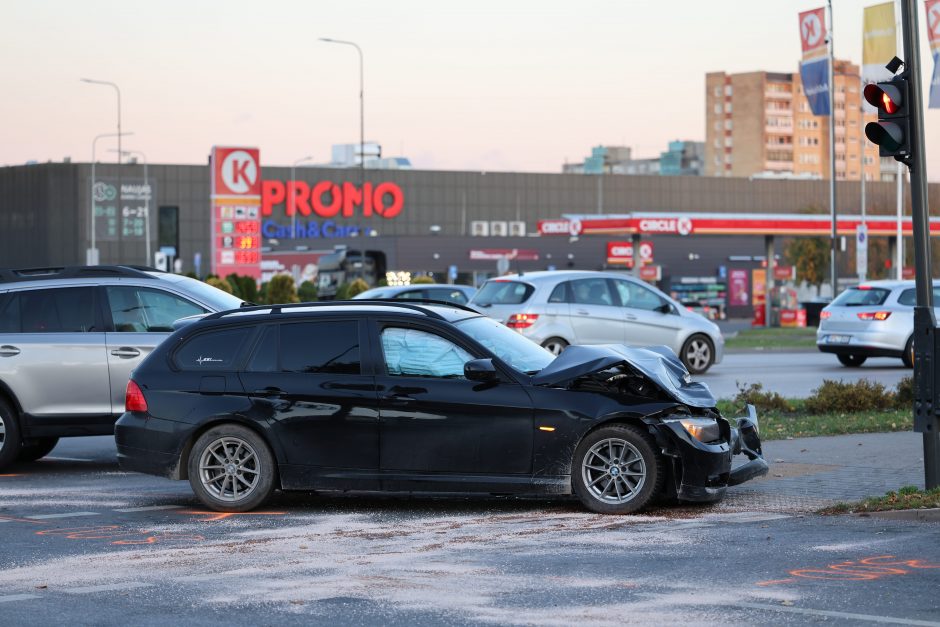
887,620
149,508
6,598
66,515
112,587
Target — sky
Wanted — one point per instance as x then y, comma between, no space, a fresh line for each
454,85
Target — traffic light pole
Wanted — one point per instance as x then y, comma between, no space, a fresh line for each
925,324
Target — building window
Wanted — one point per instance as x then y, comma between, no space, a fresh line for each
728,125
727,107
727,142
717,107
729,91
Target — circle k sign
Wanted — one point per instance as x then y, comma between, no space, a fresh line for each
237,172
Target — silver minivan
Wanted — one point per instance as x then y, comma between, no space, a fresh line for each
69,339
560,308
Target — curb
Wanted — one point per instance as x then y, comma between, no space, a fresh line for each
769,349
920,515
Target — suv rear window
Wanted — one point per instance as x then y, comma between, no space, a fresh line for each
214,350
501,292
861,297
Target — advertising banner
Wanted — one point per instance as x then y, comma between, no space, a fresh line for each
739,288
879,45
236,211
933,35
814,69
621,253
125,218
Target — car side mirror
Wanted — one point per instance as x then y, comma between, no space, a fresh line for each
664,308
480,370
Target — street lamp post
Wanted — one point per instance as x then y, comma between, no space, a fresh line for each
291,195
91,257
146,201
362,141
117,90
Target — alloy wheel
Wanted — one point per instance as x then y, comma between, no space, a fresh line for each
698,354
3,432
229,469
613,471
555,347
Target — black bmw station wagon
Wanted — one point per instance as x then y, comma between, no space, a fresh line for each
405,397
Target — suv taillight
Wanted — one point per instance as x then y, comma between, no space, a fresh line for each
521,321
874,315
134,399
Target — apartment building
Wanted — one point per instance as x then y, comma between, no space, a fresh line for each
760,124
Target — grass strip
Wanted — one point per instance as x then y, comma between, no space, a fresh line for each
774,338
777,425
908,497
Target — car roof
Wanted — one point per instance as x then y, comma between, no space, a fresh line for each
448,313
25,278
890,284
417,286
544,276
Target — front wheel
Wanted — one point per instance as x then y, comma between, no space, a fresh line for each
852,361
231,469
9,436
616,470
908,356
697,354
555,345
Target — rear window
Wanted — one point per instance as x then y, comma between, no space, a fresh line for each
215,350
861,297
909,297
503,293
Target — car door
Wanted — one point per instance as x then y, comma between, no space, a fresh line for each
595,316
648,322
52,352
433,420
308,374
141,318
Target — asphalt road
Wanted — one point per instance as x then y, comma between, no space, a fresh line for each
794,374
82,543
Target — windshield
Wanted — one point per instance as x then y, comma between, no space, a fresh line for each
861,297
373,293
502,292
517,351
215,298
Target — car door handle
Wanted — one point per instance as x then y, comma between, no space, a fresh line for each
125,351
269,391
9,351
631,317
583,312
398,399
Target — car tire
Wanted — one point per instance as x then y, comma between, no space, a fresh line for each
36,449
555,345
698,354
232,469
908,356
852,361
10,442
602,490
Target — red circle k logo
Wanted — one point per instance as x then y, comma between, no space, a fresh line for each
239,171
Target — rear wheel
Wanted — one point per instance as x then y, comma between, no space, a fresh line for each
555,345
616,470
37,449
697,354
231,469
852,361
908,356
9,435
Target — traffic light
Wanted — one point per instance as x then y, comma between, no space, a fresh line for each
892,131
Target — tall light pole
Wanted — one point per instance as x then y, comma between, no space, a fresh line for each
140,153
362,126
117,90
291,195
91,256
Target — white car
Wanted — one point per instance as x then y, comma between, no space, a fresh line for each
559,308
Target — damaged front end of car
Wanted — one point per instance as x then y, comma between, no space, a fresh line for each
697,443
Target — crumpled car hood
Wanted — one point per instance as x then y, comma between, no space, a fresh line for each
659,363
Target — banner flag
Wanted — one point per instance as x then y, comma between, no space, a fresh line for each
814,69
879,45
933,35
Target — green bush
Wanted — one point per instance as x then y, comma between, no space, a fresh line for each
248,287
236,286
904,397
281,290
837,396
342,292
421,279
755,395
307,292
221,284
356,287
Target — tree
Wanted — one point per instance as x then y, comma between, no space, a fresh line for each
248,287
281,290
810,255
356,287
421,279
307,292
221,284
236,285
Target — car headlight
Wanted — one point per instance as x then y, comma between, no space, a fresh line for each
702,429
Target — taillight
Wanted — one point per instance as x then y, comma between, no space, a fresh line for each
134,399
521,321
874,315
825,315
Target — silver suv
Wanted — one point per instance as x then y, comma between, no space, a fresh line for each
69,338
560,308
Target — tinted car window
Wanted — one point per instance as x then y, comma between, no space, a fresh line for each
907,297
409,352
503,293
215,350
859,297
264,359
320,347
143,310
447,295
559,294
411,295
61,310
592,292
637,296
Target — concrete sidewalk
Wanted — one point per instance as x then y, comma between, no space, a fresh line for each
807,474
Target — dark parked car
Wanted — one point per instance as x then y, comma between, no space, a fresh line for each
459,294
386,395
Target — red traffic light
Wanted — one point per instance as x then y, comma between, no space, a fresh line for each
886,97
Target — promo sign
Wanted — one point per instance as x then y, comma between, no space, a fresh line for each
124,218
621,253
236,211
814,69
571,228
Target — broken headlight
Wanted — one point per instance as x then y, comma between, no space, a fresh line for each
702,429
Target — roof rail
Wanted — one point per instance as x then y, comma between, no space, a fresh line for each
11,275
429,301
278,309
